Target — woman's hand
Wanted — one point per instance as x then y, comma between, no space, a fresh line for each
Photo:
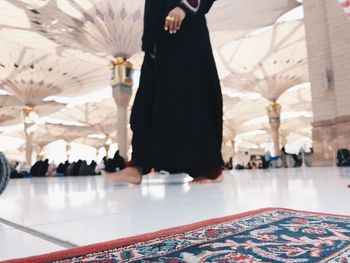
174,20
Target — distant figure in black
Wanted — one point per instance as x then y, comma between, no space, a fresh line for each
115,164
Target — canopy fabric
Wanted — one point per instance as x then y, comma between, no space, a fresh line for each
263,138
100,115
11,114
278,63
94,142
114,28
287,125
257,138
76,39
297,99
242,112
32,75
247,110
232,19
8,100
39,139
110,27
15,154
60,131
238,112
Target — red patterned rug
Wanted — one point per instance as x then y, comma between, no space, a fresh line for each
267,235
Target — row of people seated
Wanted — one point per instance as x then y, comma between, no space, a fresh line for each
285,160
257,162
43,168
79,168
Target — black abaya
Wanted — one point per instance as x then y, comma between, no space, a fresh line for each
177,113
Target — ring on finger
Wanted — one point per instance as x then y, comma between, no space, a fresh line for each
170,18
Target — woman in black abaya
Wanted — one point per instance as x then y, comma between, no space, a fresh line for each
176,118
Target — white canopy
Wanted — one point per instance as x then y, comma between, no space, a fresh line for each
263,137
110,27
113,28
249,115
232,19
39,139
96,30
269,62
287,125
243,111
94,142
298,99
60,131
32,75
100,115
11,107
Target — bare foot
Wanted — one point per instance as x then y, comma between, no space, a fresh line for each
130,175
204,180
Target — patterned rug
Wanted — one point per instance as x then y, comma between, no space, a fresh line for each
268,235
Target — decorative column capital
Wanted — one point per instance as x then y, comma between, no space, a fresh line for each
29,114
68,147
122,81
274,114
122,72
108,141
234,135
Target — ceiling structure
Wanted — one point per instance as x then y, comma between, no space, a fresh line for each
259,139
11,108
277,65
100,115
47,132
232,19
289,124
32,75
237,114
247,118
114,28
77,39
104,27
298,99
93,142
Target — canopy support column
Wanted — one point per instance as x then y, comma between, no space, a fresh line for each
274,114
122,82
233,142
68,150
30,116
107,145
29,143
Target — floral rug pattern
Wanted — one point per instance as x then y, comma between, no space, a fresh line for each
267,236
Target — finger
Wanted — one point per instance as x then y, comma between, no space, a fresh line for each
172,26
166,26
178,24
168,23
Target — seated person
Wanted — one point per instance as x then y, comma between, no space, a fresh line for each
115,164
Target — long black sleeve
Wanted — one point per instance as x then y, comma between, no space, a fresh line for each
196,7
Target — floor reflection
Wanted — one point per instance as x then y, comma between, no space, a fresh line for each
84,210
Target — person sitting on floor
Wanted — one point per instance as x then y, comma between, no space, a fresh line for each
115,164
51,170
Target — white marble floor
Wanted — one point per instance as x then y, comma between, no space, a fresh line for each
49,214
